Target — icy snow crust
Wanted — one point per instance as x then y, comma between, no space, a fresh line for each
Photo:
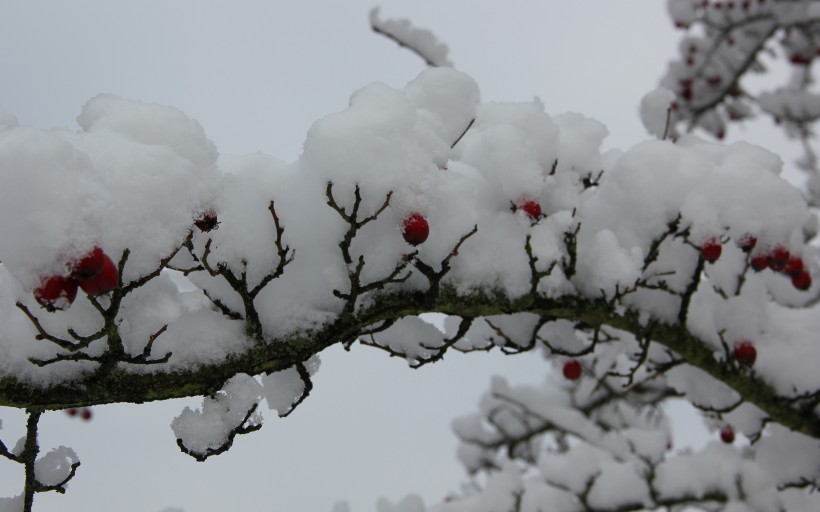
135,176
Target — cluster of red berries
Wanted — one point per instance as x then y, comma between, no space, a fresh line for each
782,261
778,259
83,412
96,273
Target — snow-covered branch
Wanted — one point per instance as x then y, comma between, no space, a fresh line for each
655,270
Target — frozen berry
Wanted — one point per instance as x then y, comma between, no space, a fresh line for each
89,265
572,369
800,59
207,221
531,208
105,281
801,281
414,229
711,249
745,353
727,434
56,292
747,243
87,414
794,267
778,258
72,411
759,262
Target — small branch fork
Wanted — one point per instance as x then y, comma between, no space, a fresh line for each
75,344
109,330
435,277
239,280
513,427
28,459
354,273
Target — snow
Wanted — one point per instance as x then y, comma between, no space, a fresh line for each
54,467
433,149
208,429
656,109
682,12
420,40
14,504
283,389
718,468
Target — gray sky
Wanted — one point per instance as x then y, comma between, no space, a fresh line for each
256,74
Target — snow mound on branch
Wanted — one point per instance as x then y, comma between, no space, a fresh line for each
283,389
682,12
712,190
54,467
656,108
787,456
410,337
718,468
419,40
514,147
212,427
85,189
151,125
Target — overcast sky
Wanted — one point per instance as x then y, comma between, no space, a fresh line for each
256,74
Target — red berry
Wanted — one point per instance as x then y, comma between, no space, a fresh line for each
414,229
56,292
794,267
745,353
89,265
778,258
87,414
747,243
801,281
207,221
105,281
760,262
800,59
531,208
714,80
727,434
71,411
572,369
710,250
